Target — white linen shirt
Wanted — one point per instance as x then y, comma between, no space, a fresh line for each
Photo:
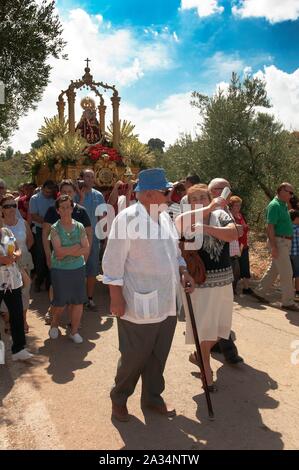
146,267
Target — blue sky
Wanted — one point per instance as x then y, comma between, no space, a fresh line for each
157,52
254,41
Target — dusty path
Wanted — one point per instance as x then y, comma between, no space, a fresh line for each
61,400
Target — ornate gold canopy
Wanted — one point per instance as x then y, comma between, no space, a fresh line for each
87,82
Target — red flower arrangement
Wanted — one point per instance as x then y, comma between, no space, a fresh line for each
96,151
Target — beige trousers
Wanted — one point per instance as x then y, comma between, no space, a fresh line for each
282,266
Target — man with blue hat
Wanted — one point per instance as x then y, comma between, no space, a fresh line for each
142,265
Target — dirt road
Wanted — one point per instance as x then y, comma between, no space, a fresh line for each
61,399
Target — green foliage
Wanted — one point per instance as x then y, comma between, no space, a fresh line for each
16,170
55,145
30,34
130,146
66,149
239,142
139,153
62,149
51,129
37,144
126,131
156,145
242,144
8,154
184,157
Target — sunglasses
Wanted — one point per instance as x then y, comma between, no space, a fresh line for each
9,206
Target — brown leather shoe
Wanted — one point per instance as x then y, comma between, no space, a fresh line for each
164,409
120,412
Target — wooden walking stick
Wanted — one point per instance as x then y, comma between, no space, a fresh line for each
199,355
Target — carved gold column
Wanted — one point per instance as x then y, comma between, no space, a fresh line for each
60,106
102,113
116,129
71,102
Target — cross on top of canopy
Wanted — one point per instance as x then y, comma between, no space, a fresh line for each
98,126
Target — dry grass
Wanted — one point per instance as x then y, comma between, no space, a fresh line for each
259,255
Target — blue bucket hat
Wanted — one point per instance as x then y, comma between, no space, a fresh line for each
152,179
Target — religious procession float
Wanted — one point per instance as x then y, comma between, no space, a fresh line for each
64,149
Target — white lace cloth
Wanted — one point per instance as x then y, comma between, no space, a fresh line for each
10,276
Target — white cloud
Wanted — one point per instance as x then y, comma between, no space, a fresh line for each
175,37
118,57
163,34
165,121
273,10
247,70
222,86
100,18
204,7
222,65
111,51
283,91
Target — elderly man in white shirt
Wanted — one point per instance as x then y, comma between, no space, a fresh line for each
142,265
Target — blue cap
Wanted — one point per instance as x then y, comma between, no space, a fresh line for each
153,179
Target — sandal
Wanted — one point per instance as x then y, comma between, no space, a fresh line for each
193,360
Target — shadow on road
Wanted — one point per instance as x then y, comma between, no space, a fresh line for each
243,392
159,433
74,355
63,355
11,371
248,302
62,371
293,318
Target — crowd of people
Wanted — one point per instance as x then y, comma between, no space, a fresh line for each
164,240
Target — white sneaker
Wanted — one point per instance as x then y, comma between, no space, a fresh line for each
53,332
76,338
22,355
